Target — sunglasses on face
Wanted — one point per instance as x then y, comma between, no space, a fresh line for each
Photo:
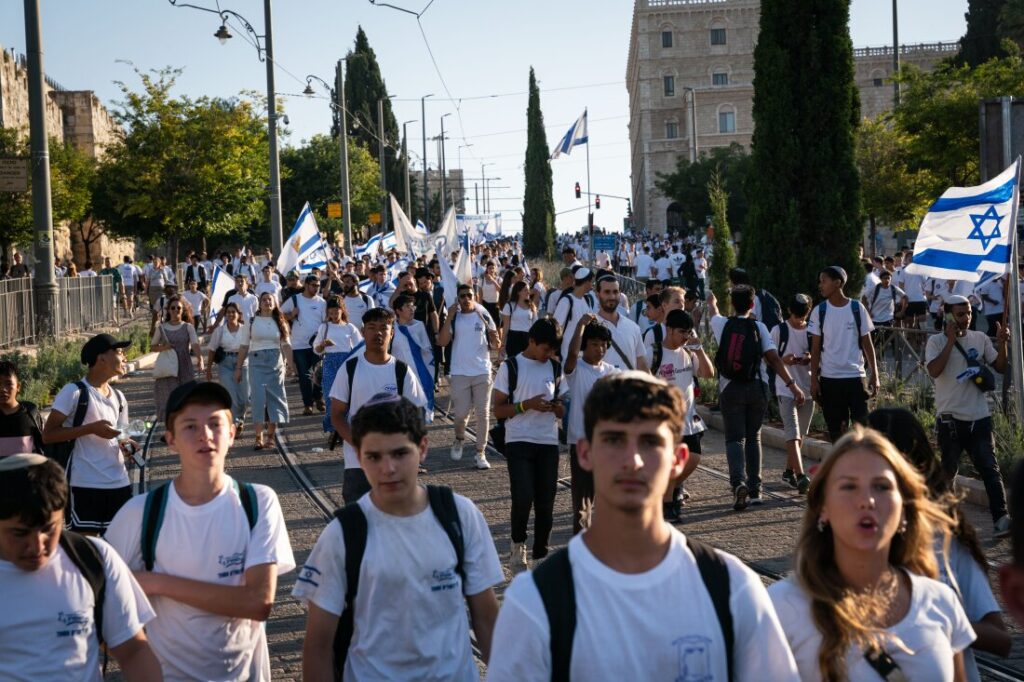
175,307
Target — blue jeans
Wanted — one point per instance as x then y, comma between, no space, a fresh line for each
743,404
956,436
305,358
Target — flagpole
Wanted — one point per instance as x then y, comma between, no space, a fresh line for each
590,197
1016,347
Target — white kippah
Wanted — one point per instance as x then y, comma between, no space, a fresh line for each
956,299
21,461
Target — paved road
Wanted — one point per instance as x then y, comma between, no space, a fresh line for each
763,537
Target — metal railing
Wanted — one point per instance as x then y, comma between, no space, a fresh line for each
83,303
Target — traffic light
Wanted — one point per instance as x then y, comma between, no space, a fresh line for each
629,208
597,201
577,190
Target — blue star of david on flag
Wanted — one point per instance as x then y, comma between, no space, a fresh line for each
980,220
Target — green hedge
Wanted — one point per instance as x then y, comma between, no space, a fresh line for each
59,363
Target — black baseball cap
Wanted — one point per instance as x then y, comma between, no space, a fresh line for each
197,391
98,345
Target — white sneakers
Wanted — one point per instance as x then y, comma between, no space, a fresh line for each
517,561
481,461
1002,527
456,451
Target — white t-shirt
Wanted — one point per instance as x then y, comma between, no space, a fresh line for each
410,614
953,392
991,295
644,263
46,623
581,380
371,379
701,266
264,334
934,629
677,259
160,277
568,319
841,355
626,333
520,318
532,379
345,336
96,462
230,341
718,326
470,357
128,274
664,268
195,300
248,304
211,543
972,587
273,287
883,306
913,285
797,345
655,625
312,313
677,367
356,306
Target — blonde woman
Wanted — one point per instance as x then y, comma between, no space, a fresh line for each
517,317
864,603
269,353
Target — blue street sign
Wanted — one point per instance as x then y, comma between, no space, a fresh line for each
604,242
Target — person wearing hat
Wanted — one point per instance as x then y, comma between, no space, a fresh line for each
306,312
210,562
96,471
53,623
839,330
963,416
573,305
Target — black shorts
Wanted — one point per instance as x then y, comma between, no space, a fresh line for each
916,309
91,509
693,442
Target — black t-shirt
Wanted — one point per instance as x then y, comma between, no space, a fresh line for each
424,306
19,431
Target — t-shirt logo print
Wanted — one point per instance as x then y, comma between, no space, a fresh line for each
232,562
694,659
74,622
444,580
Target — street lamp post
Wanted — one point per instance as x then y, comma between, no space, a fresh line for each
895,54
338,91
693,121
44,284
405,157
444,171
462,177
423,123
266,54
483,182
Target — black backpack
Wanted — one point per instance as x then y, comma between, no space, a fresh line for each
61,452
739,350
156,506
497,432
401,369
771,311
567,295
823,308
656,347
354,531
87,559
554,581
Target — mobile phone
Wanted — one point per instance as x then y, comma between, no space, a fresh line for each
949,318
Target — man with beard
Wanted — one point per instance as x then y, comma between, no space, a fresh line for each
356,302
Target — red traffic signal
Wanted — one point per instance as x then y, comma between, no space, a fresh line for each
597,201
577,190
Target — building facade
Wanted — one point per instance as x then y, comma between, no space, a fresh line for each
689,76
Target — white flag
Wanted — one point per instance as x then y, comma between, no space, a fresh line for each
220,286
304,249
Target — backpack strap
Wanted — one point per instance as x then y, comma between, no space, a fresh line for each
783,338
822,309
152,520
83,403
247,496
855,309
401,369
87,558
513,377
715,574
353,530
556,367
350,370
659,350
874,294
553,578
442,503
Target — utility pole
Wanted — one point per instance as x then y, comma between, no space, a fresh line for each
383,179
426,197
476,197
44,284
895,54
346,203
405,157
444,172
276,232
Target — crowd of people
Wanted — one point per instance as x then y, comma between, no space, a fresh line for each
889,579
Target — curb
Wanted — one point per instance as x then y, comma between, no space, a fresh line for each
813,448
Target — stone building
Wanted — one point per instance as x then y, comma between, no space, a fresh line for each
691,68
75,116
454,184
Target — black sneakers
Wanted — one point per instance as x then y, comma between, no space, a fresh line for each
740,493
789,477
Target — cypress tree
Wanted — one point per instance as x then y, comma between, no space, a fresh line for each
984,35
538,200
364,85
804,188
723,258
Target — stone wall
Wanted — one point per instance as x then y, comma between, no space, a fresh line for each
14,97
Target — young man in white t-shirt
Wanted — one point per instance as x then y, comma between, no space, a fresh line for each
584,366
269,283
374,371
51,626
98,477
885,301
210,562
575,304
408,615
626,349
840,331
306,312
642,610
532,410
794,348
469,329
200,304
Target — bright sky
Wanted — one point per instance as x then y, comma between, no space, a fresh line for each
578,48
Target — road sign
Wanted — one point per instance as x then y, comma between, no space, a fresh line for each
375,218
604,242
13,174
334,209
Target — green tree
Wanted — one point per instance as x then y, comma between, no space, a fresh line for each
15,207
538,200
983,39
723,258
314,175
72,187
183,168
688,184
1011,22
364,86
804,189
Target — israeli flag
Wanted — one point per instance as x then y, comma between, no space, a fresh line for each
220,285
388,242
305,249
577,135
420,227
967,231
371,247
